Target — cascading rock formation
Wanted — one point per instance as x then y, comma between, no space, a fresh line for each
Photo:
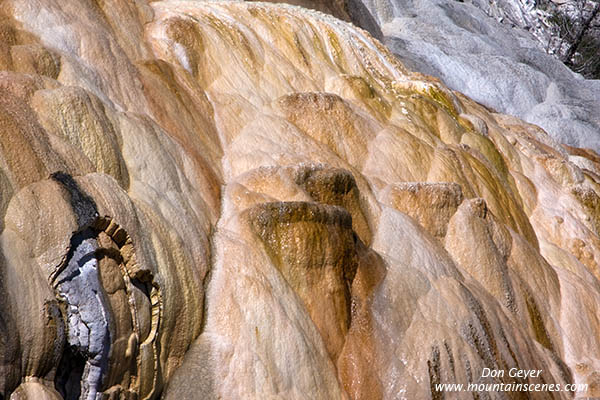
244,200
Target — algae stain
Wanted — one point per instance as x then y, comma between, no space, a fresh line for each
335,49
442,99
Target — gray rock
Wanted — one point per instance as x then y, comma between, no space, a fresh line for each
87,313
501,67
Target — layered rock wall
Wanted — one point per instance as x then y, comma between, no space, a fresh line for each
248,200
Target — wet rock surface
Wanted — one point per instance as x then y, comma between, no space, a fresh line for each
497,62
244,200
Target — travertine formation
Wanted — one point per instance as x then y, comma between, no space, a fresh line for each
501,62
249,201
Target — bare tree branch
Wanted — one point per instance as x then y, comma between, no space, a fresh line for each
585,26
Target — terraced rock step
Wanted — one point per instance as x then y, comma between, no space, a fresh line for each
313,246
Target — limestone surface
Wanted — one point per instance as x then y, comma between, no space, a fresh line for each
244,200
501,62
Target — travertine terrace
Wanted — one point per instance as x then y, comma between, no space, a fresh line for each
229,200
